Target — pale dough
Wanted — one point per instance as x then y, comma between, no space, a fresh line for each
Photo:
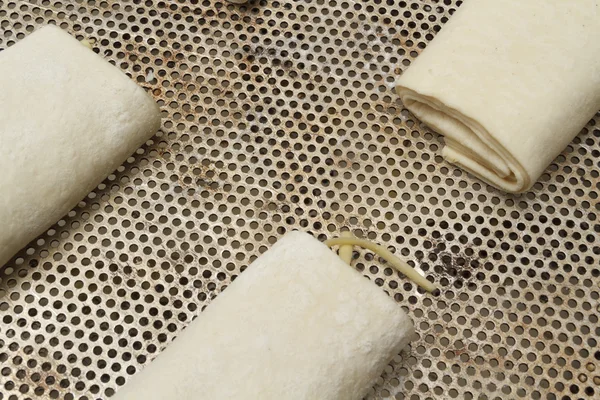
68,118
298,324
509,83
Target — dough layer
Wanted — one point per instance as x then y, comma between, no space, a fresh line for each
509,83
68,118
299,324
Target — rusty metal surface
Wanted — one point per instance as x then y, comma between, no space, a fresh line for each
279,115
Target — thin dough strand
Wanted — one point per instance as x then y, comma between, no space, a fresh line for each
345,251
382,252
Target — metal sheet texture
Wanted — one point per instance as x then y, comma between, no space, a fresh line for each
280,115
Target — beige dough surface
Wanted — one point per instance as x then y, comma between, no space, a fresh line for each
68,118
509,83
299,323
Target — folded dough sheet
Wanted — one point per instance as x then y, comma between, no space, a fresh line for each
68,119
509,83
298,324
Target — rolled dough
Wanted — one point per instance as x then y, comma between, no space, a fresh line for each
68,118
298,324
509,83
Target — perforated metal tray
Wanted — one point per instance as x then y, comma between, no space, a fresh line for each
280,115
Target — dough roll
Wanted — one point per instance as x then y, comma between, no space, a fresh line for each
298,324
68,119
509,83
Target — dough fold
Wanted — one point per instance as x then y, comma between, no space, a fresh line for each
299,324
68,118
509,83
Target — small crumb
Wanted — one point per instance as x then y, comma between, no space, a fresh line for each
582,378
590,367
150,76
89,43
597,380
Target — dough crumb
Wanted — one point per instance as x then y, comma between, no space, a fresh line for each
89,43
150,76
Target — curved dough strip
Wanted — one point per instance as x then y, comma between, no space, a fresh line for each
387,255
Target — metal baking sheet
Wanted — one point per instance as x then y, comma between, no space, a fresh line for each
280,115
